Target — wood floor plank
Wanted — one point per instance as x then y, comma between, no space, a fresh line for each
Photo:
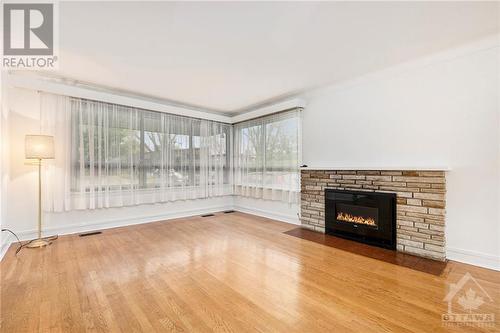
227,273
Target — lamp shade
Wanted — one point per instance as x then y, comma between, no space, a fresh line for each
39,146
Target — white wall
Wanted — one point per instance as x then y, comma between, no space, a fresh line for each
441,113
5,238
277,210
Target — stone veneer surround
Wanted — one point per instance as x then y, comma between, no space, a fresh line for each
420,203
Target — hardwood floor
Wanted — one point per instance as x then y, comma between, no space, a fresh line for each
227,273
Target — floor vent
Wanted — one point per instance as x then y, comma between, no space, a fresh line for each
207,215
92,233
228,211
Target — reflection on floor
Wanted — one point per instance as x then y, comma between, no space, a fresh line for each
393,257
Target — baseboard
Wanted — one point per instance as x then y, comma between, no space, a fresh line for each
474,258
7,240
270,215
122,222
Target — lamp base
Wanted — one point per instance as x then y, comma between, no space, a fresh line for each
51,238
39,242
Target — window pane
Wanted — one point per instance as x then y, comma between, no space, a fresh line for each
179,174
153,159
252,153
281,154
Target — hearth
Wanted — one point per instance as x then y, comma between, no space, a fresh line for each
368,217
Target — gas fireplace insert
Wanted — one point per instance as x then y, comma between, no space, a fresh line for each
368,217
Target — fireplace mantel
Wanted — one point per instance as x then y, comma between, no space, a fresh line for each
388,168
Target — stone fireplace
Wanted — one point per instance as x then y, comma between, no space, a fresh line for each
419,210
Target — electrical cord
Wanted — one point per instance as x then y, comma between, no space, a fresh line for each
21,245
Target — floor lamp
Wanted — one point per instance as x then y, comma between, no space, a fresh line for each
39,147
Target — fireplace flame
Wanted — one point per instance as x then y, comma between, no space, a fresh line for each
346,217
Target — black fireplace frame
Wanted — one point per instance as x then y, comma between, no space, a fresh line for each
384,235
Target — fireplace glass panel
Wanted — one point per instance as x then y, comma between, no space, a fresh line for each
367,217
357,215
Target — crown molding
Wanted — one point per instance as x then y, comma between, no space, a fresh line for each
61,88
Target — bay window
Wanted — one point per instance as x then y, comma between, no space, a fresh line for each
110,155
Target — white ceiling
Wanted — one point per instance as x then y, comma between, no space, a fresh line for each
229,57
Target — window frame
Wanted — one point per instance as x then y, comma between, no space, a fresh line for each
264,168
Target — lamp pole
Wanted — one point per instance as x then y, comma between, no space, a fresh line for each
39,147
39,198
39,242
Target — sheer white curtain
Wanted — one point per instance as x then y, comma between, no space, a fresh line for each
110,155
55,119
266,157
